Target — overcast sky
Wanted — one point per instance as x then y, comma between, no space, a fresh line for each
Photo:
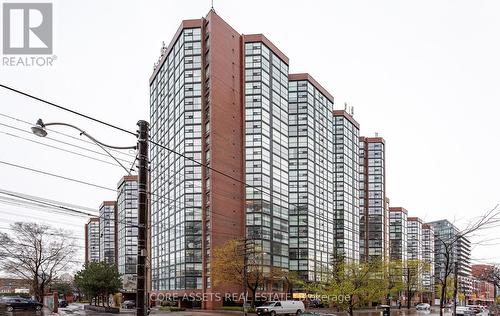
425,75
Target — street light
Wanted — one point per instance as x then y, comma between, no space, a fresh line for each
142,165
39,129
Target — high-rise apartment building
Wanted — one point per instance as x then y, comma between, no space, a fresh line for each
428,258
398,240
374,218
312,216
324,184
127,221
447,234
414,238
346,185
218,98
226,100
108,232
266,149
92,240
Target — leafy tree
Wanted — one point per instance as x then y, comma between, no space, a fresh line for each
395,282
97,280
37,253
228,266
61,287
292,280
412,278
362,283
448,292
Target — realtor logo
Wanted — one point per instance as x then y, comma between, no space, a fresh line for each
27,28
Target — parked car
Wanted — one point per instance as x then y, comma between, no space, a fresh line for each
63,303
465,310
423,307
280,308
12,303
315,314
476,308
128,304
317,303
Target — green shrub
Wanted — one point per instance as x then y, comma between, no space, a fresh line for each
232,308
171,309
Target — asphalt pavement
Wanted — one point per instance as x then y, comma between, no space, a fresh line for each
76,309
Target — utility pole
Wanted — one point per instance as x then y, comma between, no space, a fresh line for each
142,199
245,280
455,289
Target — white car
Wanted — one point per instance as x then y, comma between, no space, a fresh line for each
465,310
423,307
281,308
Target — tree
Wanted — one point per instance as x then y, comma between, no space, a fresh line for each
447,247
61,287
292,280
362,283
228,266
448,291
97,280
395,280
491,274
37,253
412,278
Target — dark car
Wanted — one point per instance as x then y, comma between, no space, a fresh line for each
12,303
128,304
316,303
63,303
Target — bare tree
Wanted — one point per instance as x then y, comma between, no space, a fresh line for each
37,253
491,274
448,249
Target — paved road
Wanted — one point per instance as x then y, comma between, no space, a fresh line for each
77,310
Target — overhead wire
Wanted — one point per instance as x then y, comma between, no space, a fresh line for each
132,133
86,208
56,176
31,96
69,144
64,134
58,148
135,134
50,234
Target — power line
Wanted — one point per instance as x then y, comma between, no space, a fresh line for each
35,218
57,207
63,142
56,176
66,109
89,209
64,134
70,261
151,141
58,148
50,234
34,206
135,134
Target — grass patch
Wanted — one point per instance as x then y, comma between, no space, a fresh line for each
237,308
171,309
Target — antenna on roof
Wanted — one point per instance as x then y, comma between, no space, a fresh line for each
345,106
352,110
212,6
376,134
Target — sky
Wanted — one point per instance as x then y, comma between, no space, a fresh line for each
422,74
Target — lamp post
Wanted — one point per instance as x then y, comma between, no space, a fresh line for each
142,146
